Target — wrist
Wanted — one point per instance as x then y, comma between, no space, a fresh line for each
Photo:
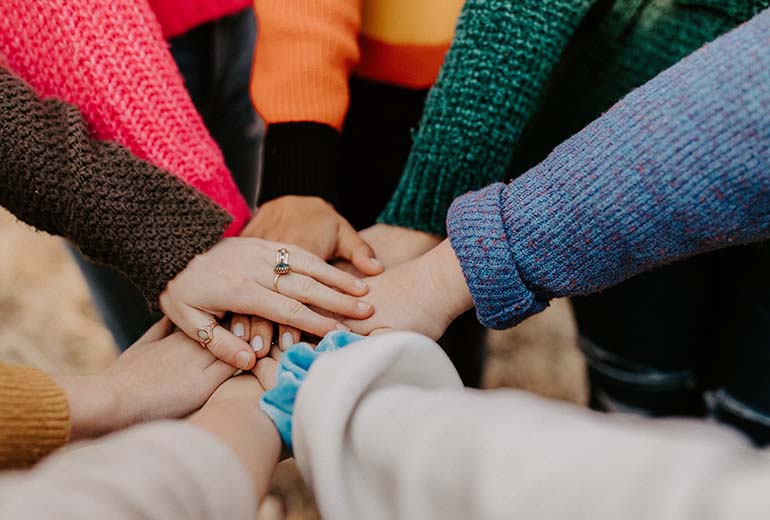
93,405
451,288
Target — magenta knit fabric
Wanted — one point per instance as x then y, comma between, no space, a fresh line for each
179,16
108,58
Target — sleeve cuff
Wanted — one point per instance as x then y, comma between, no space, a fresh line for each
300,159
478,236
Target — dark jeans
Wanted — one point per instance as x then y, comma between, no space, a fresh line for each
215,61
692,339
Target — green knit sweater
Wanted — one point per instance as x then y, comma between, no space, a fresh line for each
523,75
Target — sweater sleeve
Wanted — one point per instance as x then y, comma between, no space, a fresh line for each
678,167
108,58
306,50
502,55
385,430
117,209
158,470
34,416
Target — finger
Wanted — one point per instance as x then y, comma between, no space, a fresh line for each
230,349
261,336
287,336
266,371
352,247
240,326
258,301
304,263
307,290
276,353
158,331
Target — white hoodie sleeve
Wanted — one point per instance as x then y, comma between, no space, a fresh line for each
384,430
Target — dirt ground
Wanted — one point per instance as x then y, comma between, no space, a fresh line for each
46,320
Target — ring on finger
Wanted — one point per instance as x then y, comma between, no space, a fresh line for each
282,266
205,334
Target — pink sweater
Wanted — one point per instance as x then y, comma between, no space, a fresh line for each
179,16
108,58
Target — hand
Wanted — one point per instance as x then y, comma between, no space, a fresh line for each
160,376
395,245
233,415
237,276
424,295
314,225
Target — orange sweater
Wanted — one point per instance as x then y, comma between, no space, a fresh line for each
307,50
34,416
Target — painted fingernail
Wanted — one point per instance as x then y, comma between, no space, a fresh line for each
376,262
257,344
238,330
287,340
363,306
340,326
361,284
242,359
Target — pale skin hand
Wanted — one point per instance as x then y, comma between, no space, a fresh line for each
424,295
233,415
315,226
237,276
160,376
395,245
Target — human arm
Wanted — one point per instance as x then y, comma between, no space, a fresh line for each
676,168
383,429
217,464
489,86
129,89
158,377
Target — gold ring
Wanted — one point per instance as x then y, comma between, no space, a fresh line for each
282,266
206,334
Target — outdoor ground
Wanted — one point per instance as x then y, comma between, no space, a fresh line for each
46,320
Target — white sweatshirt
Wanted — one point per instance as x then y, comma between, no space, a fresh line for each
384,430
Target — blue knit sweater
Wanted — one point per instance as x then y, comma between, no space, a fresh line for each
680,166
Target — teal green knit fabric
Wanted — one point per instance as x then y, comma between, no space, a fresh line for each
544,66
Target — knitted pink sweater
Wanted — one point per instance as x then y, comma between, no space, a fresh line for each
109,59
179,16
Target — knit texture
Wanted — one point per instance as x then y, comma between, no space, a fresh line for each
179,16
509,57
108,58
492,78
676,168
115,208
34,416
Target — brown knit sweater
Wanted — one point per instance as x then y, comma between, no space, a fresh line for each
34,416
117,209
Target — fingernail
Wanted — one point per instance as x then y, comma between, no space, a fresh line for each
376,262
287,340
361,284
242,359
257,344
340,326
363,306
238,330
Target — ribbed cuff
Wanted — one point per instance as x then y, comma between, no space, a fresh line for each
300,159
478,237
34,416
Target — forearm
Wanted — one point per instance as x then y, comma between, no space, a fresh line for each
34,416
489,86
677,168
249,433
159,470
129,90
115,208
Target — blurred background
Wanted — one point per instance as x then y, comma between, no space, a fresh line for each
47,320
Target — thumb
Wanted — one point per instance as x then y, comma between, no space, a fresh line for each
353,248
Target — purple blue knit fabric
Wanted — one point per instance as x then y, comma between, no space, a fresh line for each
679,167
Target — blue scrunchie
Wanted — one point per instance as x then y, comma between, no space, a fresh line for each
278,403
